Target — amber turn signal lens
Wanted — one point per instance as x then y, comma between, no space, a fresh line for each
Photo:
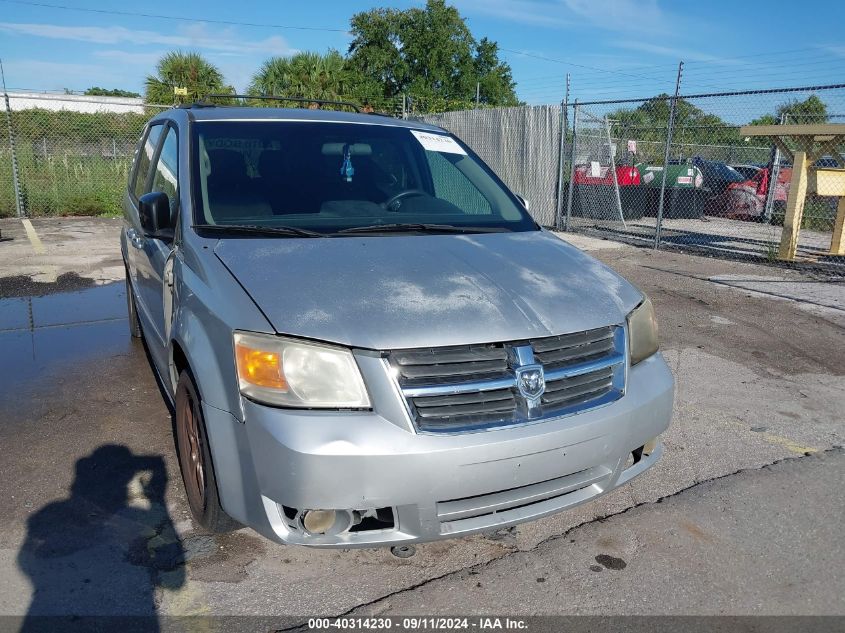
260,368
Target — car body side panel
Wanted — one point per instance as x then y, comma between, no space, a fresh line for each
208,305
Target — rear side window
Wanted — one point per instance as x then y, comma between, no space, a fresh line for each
166,174
145,157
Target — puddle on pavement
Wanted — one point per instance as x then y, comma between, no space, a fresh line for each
48,333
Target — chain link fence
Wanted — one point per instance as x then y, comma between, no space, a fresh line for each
724,190
68,162
614,169
620,170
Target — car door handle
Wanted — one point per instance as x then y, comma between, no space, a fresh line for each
135,238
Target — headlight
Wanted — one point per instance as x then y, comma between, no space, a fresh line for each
293,373
642,330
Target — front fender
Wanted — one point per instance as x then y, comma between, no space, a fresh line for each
208,305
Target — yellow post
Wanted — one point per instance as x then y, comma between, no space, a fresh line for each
794,208
837,243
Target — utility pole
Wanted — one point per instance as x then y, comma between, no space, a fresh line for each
15,174
672,108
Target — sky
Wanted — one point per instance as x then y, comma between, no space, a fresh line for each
611,48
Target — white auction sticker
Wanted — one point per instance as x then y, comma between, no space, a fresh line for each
438,142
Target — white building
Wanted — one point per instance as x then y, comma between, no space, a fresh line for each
74,103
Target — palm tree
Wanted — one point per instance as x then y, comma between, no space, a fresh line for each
184,70
305,75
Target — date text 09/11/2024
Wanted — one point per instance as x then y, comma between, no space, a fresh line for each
430,623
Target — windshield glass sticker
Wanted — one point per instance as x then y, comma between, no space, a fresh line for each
438,143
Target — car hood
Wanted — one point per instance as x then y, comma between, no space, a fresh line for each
403,291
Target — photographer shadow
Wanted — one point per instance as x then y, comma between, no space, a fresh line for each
101,553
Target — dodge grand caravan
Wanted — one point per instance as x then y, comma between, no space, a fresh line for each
365,337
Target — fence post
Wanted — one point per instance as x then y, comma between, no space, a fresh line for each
669,131
15,174
612,162
774,174
572,166
561,162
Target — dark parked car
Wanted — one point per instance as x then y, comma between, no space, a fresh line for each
729,192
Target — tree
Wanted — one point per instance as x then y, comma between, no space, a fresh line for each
306,75
184,70
694,128
96,91
431,54
810,110
495,80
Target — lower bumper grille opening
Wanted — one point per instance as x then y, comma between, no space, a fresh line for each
483,508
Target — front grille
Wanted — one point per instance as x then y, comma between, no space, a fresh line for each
559,351
464,388
578,389
450,364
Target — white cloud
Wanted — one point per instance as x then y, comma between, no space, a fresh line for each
531,12
675,53
642,16
195,35
620,15
41,75
126,57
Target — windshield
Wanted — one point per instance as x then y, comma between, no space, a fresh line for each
332,177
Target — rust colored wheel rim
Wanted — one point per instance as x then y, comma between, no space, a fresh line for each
191,453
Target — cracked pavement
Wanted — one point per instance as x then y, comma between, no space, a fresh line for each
757,356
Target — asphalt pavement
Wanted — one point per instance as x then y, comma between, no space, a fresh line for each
743,515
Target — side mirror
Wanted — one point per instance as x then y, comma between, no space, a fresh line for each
523,201
154,214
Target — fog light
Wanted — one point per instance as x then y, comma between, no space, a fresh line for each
650,446
319,521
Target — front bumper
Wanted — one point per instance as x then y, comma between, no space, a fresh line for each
438,486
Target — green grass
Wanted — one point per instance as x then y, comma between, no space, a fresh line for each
64,164
819,214
64,184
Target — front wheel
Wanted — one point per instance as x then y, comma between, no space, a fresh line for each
195,459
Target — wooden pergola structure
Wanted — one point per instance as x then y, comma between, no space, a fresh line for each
804,145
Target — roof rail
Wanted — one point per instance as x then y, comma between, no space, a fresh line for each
203,103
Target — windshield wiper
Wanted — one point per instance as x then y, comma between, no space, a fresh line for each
414,227
251,229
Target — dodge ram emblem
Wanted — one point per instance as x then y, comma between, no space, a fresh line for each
531,382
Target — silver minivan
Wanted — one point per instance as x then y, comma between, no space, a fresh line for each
365,337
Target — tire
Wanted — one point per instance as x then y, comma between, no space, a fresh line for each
132,310
195,460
